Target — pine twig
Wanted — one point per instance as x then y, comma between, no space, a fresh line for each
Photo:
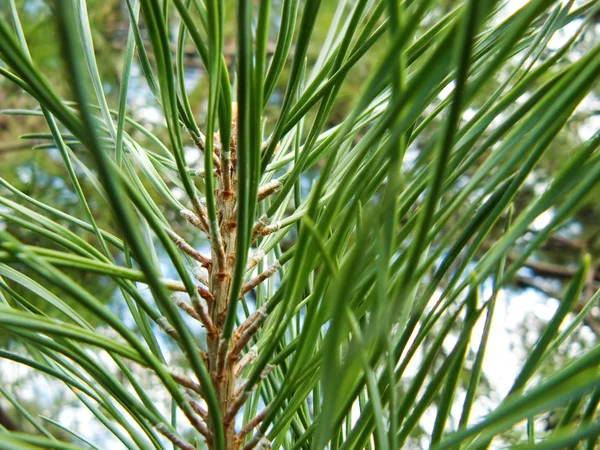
203,314
199,142
186,382
258,279
250,320
185,306
235,406
164,325
199,425
265,145
268,229
260,224
255,259
200,222
249,357
269,188
187,248
175,439
253,423
197,407
205,294
200,276
245,332
242,387
173,285
259,442
262,228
